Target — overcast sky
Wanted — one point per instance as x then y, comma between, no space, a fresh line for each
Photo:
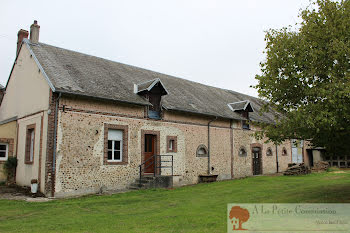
216,42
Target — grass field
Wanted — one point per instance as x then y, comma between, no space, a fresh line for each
198,208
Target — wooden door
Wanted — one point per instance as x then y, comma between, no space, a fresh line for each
256,152
149,152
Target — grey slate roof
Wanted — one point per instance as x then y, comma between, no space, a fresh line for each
81,74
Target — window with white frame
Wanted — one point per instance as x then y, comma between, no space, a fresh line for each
115,145
3,151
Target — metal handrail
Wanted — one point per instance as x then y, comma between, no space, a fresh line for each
155,157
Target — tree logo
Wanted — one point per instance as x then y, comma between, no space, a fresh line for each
238,216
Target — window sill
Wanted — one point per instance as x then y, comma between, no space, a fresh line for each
28,162
116,163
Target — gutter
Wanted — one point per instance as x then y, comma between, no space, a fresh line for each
103,98
209,167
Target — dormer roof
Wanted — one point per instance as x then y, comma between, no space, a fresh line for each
244,105
149,85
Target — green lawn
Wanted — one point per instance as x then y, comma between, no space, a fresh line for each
199,208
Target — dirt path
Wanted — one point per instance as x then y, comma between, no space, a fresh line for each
18,193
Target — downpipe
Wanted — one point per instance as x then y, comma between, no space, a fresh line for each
209,167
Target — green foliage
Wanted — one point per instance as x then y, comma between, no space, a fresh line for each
306,77
198,208
10,167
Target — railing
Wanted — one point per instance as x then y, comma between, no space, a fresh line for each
156,161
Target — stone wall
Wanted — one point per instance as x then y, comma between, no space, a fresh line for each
80,168
242,165
80,144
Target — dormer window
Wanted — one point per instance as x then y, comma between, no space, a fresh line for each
245,125
243,108
153,91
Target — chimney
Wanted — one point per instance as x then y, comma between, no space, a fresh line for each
20,36
34,32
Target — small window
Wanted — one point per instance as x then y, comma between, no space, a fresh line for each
245,125
269,152
242,152
115,145
202,151
30,142
284,152
171,144
3,151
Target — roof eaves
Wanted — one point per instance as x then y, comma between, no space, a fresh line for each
28,44
102,98
202,113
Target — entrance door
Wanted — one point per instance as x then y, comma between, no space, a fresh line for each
256,161
297,151
149,152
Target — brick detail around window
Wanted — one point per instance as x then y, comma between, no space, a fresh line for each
124,128
29,129
168,139
10,143
256,145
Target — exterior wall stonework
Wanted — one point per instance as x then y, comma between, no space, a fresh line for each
242,165
103,106
80,168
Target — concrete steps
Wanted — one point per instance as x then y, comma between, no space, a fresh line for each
148,182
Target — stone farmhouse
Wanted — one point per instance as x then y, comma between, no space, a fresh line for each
79,124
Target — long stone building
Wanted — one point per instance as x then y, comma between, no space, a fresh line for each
79,123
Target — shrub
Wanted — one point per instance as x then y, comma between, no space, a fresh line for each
10,167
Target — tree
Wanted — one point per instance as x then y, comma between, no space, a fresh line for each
241,214
306,78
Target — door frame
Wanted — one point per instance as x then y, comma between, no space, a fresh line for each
156,144
257,145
